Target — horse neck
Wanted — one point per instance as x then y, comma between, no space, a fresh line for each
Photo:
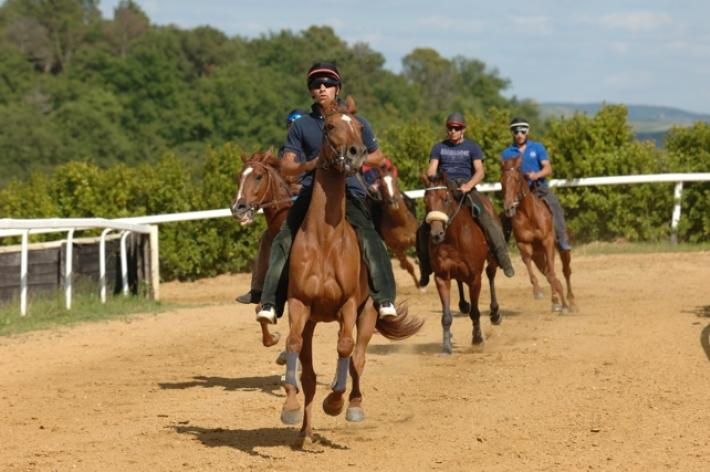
527,203
281,196
327,203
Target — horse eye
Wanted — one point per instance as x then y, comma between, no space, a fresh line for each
258,178
330,127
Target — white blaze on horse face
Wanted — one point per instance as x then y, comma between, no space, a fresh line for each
348,120
245,173
388,182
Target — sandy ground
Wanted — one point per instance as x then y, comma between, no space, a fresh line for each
622,385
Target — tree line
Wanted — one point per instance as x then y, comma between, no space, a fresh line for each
119,117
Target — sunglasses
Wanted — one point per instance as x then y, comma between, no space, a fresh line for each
520,130
316,83
454,128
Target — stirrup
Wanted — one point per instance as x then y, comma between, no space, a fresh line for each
267,314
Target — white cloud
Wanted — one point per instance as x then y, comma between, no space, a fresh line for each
535,24
641,21
450,23
629,79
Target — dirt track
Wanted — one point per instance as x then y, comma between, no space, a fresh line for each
622,385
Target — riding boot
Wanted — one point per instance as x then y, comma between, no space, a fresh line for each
507,223
422,247
494,235
258,273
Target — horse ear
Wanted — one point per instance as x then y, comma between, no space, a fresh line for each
273,159
350,101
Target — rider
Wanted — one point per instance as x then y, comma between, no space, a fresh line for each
462,160
323,80
262,259
536,166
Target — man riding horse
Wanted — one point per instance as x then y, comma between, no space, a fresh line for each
462,160
536,167
305,137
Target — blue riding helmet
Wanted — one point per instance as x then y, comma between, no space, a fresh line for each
293,115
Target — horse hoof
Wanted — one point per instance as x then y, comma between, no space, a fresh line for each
477,340
291,417
354,414
496,318
556,308
539,295
333,404
281,359
275,338
465,308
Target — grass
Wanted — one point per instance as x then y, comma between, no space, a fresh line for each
48,311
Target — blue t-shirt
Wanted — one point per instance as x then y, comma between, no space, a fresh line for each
456,159
533,156
305,138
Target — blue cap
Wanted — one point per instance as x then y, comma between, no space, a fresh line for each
293,115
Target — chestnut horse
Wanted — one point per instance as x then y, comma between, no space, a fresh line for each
458,250
328,280
397,222
534,234
261,187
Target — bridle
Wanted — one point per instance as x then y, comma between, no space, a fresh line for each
274,179
340,155
445,217
524,189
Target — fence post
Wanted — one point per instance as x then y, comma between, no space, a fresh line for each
154,263
68,269
102,264
23,271
677,197
124,263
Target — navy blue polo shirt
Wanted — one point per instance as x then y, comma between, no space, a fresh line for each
533,156
305,137
456,159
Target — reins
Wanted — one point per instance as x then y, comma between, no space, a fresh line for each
274,176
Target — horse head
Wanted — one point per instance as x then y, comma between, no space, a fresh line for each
515,186
440,205
391,194
260,185
342,149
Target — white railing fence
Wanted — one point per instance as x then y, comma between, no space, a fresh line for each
148,225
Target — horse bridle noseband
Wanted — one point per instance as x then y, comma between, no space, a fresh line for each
339,155
449,218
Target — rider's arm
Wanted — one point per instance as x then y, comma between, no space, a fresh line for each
544,172
291,167
433,168
376,158
478,174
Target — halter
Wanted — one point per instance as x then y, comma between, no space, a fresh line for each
274,177
339,155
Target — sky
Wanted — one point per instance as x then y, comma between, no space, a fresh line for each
651,52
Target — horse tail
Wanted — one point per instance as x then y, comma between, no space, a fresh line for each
400,327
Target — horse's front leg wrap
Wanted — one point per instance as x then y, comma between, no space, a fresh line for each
340,382
291,369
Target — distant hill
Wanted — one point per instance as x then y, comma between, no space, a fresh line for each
648,121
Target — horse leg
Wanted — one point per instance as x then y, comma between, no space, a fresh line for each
308,379
444,287
464,306
298,314
494,315
566,257
526,253
334,402
474,290
268,339
406,265
555,285
365,330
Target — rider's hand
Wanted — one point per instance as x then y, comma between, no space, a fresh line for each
465,188
310,165
532,175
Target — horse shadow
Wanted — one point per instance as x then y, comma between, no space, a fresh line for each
419,348
703,312
248,440
270,384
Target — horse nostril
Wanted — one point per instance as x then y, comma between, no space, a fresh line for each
353,151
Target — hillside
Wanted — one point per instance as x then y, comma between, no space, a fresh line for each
645,119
